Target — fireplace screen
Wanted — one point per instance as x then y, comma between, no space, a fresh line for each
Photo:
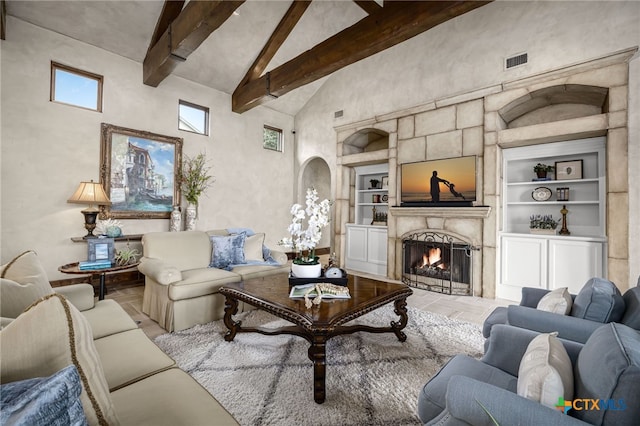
438,263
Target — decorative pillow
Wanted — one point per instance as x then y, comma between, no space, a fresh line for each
50,335
545,371
599,300
227,250
53,400
24,281
253,247
558,301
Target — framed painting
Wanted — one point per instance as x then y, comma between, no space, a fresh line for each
568,170
138,170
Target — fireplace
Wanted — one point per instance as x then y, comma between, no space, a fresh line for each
438,262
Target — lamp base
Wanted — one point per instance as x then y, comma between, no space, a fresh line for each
90,216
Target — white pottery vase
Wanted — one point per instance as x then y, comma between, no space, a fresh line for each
306,271
190,218
175,224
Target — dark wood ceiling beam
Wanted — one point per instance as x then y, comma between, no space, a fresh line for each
279,35
170,11
369,6
188,30
396,22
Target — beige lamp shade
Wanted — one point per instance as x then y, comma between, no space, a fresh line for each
90,193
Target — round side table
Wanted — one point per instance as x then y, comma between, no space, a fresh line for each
73,268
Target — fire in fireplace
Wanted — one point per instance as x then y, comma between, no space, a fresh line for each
437,262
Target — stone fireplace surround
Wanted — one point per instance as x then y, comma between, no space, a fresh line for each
475,123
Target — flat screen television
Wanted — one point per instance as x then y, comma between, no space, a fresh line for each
449,182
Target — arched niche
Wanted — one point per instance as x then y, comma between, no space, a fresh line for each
365,140
555,103
315,173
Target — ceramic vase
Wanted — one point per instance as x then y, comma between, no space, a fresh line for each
175,224
306,271
190,218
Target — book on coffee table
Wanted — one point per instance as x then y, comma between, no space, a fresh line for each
300,290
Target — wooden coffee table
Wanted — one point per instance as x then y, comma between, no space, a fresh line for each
320,322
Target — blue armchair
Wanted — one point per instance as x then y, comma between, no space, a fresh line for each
598,302
479,392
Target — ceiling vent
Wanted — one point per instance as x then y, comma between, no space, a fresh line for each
516,61
338,114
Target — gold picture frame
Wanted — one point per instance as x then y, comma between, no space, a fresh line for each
138,170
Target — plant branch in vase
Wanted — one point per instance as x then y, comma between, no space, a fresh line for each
303,240
542,224
194,180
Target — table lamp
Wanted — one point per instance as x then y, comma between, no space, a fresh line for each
90,193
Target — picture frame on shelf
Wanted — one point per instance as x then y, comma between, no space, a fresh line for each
100,249
566,170
385,182
138,170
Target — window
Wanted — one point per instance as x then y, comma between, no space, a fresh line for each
193,118
272,138
75,87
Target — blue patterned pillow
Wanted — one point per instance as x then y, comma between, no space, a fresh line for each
53,400
227,250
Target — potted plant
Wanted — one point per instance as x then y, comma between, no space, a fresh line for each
541,170
194,179
543,224
303,241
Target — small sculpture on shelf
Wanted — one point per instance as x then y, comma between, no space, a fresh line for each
564,230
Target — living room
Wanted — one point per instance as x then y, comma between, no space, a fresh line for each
49,147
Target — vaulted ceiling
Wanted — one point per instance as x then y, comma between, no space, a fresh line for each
273,53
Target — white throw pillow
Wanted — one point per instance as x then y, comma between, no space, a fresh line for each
557,301
545,372
253,247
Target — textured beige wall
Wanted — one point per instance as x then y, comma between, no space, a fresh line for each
462,60
48,148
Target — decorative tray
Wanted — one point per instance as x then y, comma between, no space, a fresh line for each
337,281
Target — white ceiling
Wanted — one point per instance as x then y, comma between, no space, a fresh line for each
126,27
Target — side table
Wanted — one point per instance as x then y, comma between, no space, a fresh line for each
73,268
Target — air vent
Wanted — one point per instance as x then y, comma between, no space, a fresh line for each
338,114
516,61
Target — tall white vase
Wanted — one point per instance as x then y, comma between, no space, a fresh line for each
175,224
190,218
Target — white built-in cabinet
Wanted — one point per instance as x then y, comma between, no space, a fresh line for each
552,261
367,238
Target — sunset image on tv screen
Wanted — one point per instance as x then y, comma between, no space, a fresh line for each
455,180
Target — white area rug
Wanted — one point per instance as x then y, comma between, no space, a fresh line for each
372,379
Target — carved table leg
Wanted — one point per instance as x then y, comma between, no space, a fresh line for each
231,308
400,310
317,354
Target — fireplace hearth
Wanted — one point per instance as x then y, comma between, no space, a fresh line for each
438,262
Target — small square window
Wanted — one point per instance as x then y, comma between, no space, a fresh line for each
75,87
272,138
193,118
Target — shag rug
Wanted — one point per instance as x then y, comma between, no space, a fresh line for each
371,379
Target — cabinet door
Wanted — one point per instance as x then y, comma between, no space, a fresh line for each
573,263
357,243
523,264
377,246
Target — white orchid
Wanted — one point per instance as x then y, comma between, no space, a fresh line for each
317,215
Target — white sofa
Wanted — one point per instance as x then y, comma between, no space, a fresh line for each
121,377
181,288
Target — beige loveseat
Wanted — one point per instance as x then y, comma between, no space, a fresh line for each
181,288
123,377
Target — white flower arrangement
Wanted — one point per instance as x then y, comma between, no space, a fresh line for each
103,225
305,240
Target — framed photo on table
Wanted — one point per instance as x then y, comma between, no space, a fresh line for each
568,169
139,172
100,249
